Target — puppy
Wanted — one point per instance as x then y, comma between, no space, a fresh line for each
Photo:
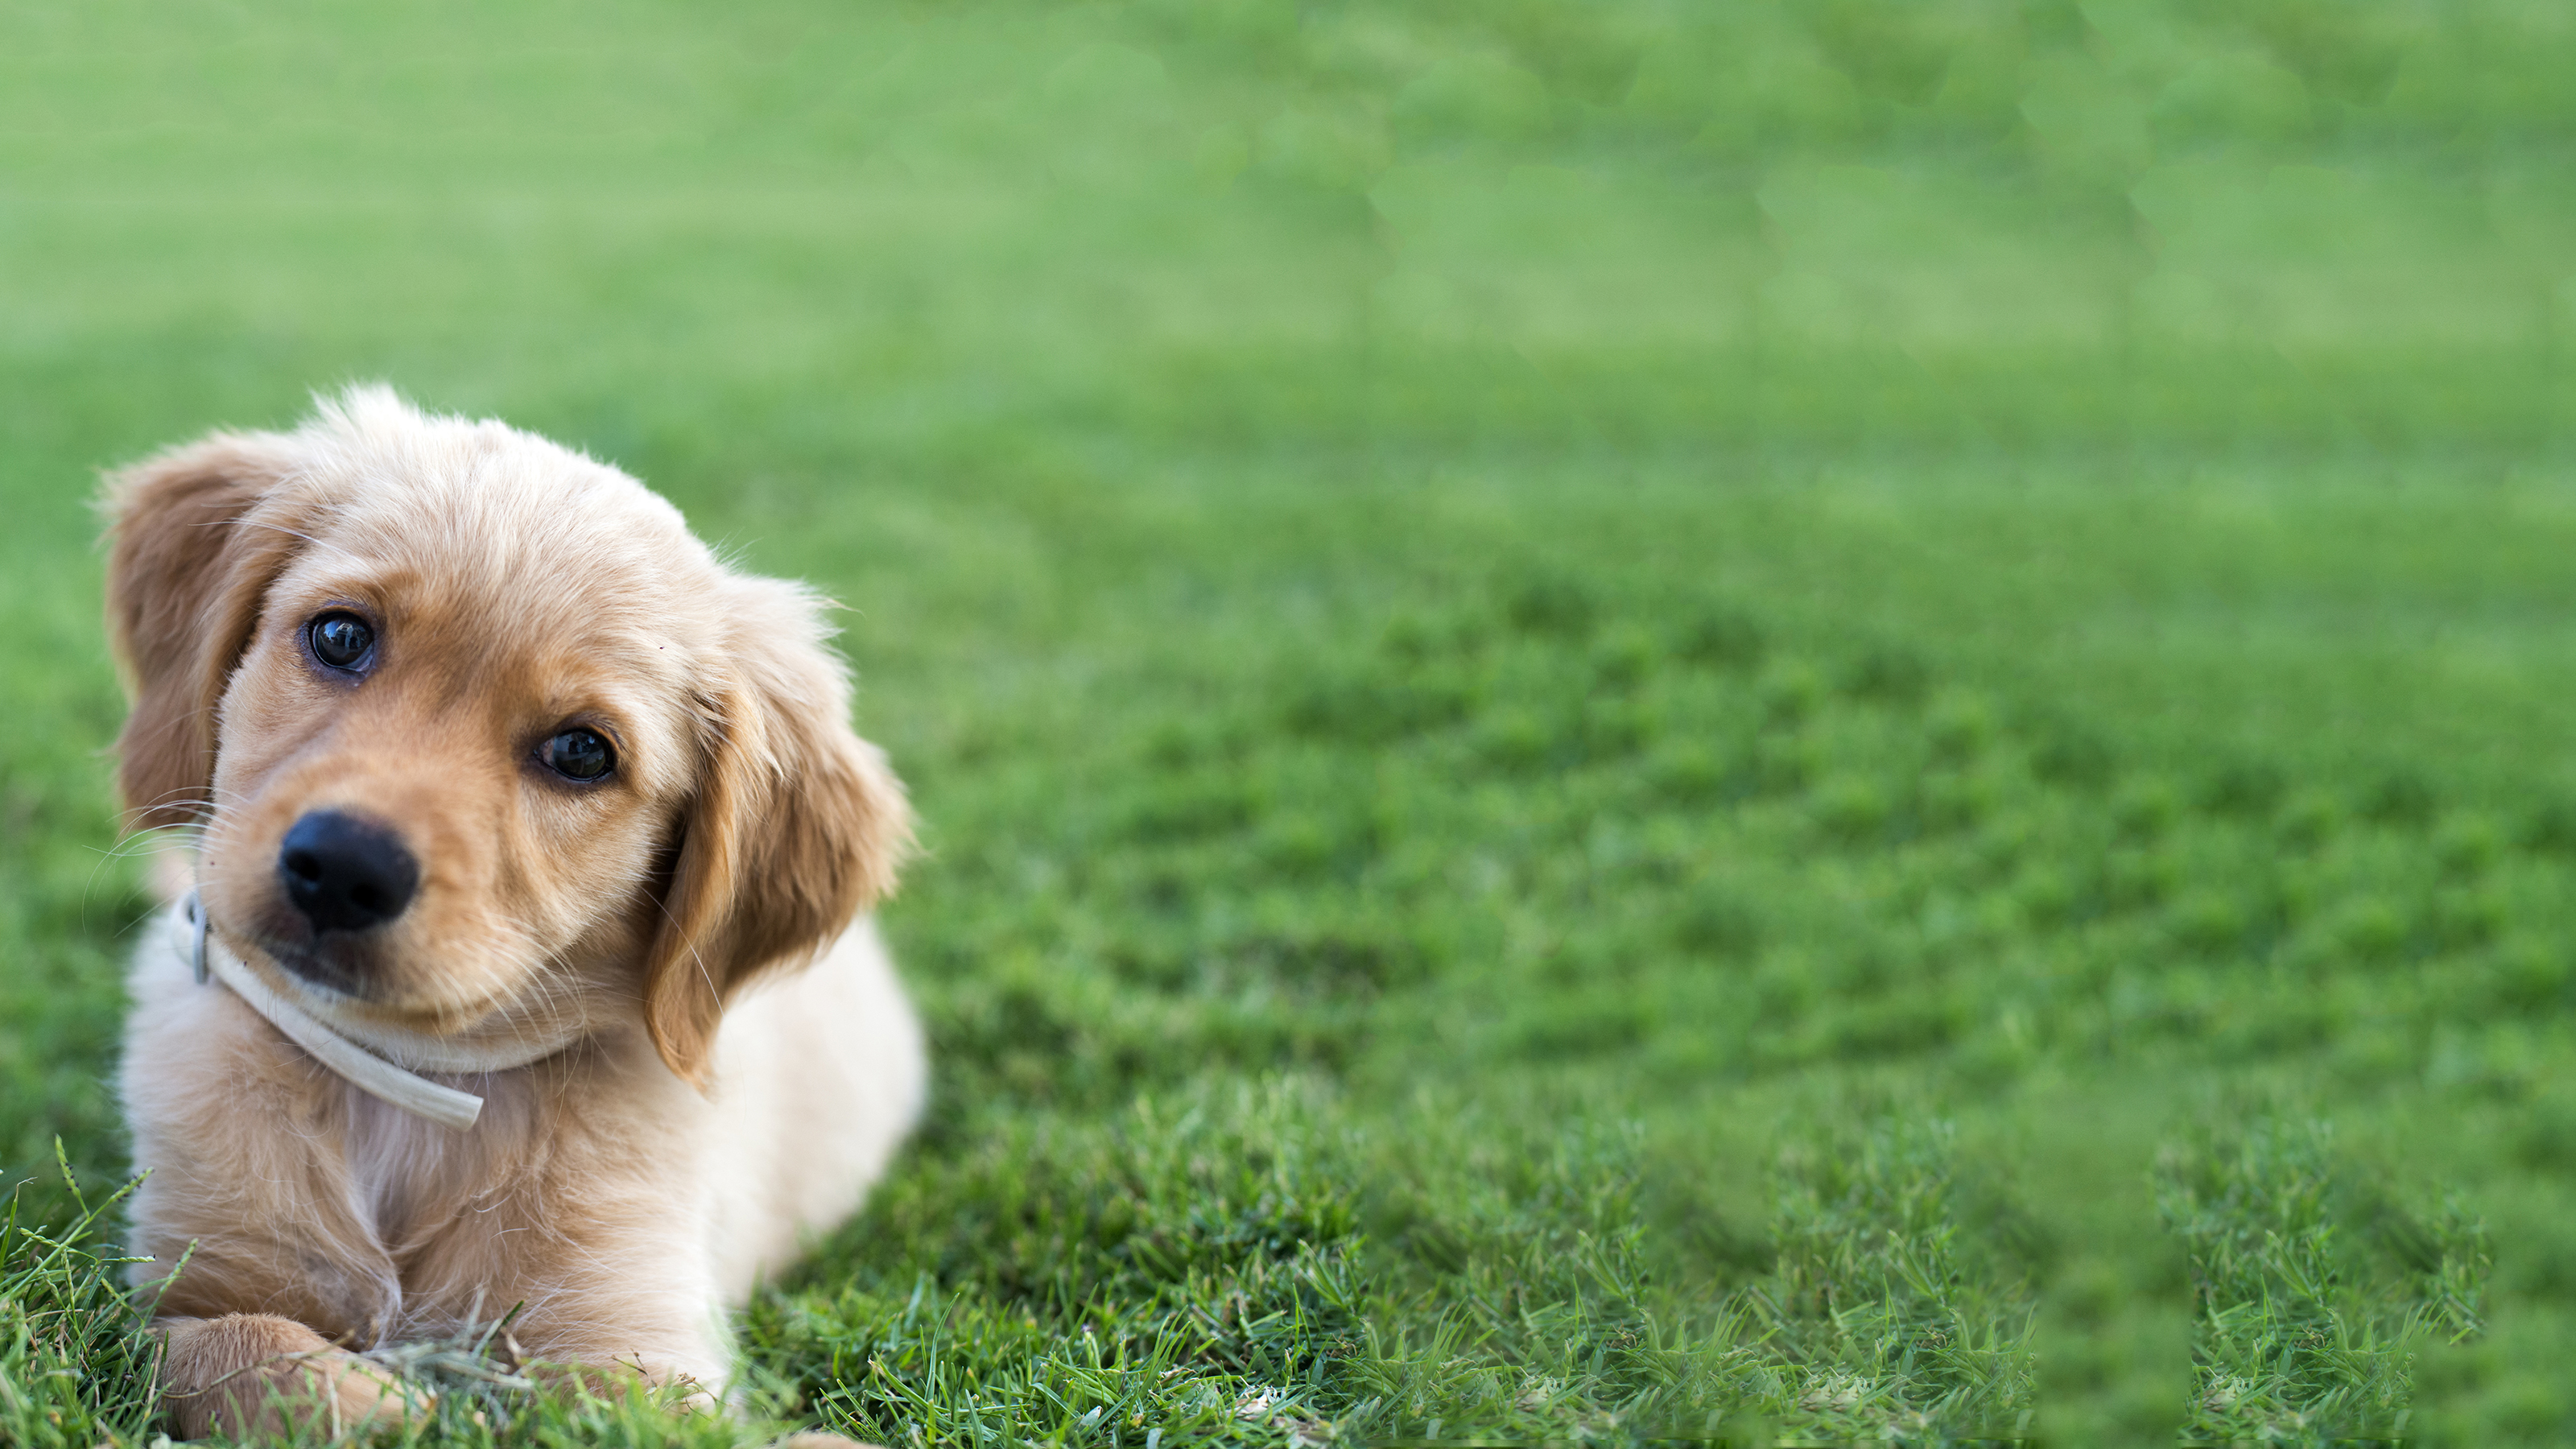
501,787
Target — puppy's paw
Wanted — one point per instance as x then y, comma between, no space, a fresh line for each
248,1374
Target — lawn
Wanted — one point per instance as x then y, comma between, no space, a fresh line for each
1774,723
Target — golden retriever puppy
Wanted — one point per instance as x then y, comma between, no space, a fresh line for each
525,959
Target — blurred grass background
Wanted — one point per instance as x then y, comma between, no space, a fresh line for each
1836,720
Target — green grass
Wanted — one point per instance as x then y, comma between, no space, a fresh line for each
1812,723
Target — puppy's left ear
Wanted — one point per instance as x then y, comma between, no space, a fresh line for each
798,825
195,537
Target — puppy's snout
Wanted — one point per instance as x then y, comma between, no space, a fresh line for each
345,873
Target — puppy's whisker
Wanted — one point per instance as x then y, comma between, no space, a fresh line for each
207,796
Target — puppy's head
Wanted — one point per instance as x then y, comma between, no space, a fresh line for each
480,743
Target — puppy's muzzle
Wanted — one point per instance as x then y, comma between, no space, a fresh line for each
345,873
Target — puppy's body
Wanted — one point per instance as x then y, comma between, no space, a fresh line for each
819,1074
619,1205
692,1104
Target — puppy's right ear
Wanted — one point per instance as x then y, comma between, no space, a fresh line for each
191,552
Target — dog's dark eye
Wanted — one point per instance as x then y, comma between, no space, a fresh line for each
580,754
341,640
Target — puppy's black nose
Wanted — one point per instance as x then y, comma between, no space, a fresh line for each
344,873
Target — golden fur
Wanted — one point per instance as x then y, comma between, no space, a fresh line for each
711,1101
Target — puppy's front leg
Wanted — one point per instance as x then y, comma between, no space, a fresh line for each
246,1374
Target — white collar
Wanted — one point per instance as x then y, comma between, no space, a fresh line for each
369,1070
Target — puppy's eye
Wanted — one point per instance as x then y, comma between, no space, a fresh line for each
580,754
341,640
